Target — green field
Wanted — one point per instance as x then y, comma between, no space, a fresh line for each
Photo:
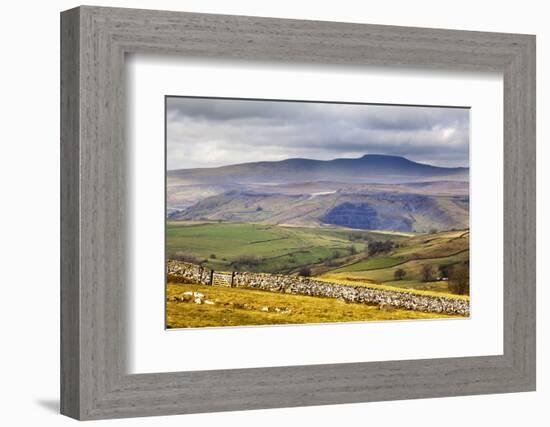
371,264
437,249
278,249
240,307
331,253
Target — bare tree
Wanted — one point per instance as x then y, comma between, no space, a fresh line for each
305,272
352,250
444,270
459,279
399,274
427,273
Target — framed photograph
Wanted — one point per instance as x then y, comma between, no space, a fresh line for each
262,213
333,233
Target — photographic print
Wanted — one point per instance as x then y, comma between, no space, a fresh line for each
302,212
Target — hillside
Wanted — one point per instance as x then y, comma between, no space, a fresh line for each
335,254
373,192
411,256
368,210
258,247
373,168
239,307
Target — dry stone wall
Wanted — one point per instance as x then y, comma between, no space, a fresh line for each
189,273
307,286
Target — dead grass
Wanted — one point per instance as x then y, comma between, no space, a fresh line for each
242,307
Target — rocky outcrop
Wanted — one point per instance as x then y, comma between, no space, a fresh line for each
353,215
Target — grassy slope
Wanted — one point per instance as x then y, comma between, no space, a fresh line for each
437,211
282,248
301,309
372,263
435,249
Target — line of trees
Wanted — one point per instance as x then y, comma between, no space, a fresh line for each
183,256
248,260
457,275
459,279
379,247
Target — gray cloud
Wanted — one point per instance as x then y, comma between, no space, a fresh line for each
214,132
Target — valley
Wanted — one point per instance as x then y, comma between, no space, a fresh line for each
272,193
377,222
328,253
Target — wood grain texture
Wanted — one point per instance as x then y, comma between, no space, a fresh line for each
70,297
94,232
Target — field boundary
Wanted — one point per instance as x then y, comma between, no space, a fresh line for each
192,273
399,263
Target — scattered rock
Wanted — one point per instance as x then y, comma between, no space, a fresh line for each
198,301
386,307
207,301
180,298
265,308
237,305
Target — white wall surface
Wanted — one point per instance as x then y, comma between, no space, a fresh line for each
29,212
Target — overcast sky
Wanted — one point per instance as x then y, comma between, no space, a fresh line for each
215,132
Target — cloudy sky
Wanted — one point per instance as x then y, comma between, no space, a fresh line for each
205,132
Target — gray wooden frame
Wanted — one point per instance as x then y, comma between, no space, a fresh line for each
94,382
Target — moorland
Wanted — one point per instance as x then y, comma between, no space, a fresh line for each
377,221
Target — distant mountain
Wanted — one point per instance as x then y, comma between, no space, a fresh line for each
371,168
